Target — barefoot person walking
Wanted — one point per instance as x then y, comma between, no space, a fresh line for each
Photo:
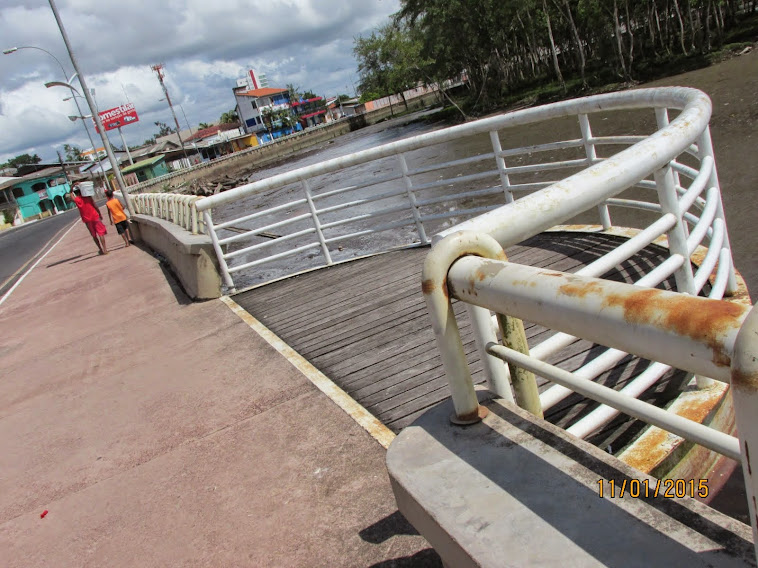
118,216
91,217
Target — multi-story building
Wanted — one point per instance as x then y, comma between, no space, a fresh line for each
40,193
310,112
265,112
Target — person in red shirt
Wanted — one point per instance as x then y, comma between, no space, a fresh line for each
91,217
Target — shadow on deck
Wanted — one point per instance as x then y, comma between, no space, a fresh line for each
364,324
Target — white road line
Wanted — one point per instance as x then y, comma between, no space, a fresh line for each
9,292
368,421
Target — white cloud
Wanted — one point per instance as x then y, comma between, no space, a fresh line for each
205,47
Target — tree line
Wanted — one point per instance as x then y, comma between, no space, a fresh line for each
503,46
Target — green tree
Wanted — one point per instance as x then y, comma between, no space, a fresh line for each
73,153
22,160
203,125
228,117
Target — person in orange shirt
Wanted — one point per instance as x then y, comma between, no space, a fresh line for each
118,217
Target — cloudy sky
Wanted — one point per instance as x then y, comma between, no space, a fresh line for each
204,45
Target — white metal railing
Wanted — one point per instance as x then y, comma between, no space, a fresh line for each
711,338
179,209
408,190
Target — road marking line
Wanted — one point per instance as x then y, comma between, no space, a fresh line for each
368,421
20,280
39,252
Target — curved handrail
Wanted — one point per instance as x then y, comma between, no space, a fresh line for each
696,112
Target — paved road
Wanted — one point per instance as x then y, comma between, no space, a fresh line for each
21,245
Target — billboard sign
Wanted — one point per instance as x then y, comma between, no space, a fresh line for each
118,116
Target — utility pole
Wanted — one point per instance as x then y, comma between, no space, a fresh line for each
159,70
65,174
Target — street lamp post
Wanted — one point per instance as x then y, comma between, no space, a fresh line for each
68,83
91,104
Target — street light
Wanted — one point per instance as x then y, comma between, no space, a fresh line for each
92,107
74,95
66,84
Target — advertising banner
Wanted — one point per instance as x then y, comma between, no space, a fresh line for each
118,116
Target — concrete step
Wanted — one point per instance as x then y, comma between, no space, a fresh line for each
517,491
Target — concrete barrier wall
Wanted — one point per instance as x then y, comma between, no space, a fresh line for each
191,257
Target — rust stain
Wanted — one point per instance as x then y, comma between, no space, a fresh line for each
747,380
581,290
427,286
747,458
477,415
705,321
698,406
649,451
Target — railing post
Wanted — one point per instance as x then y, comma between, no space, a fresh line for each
589,150
412,199
705,148
219,253
677,238
316,222
524,384
744,386
436,295
501,166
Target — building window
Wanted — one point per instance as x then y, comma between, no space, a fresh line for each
253,104
39,186
18,192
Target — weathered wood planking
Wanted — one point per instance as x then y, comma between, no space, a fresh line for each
364,324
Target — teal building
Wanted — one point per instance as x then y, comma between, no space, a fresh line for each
146,169
40,194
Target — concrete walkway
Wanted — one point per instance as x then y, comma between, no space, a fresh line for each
158,432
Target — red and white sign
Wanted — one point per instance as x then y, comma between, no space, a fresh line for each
118,116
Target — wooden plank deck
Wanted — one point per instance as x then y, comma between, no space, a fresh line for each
364,324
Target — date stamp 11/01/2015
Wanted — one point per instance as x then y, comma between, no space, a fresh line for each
669,488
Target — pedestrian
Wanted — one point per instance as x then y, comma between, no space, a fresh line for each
91,217
118,217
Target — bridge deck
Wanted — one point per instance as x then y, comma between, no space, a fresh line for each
364,324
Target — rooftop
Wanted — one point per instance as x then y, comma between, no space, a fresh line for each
262,92
142,164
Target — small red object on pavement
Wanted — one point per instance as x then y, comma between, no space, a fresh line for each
42,516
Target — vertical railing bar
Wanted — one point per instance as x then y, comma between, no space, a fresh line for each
502,168
412,199
591,153
496,371
524,383
677,238
705,148
662,120
316,222
193,207
219,253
